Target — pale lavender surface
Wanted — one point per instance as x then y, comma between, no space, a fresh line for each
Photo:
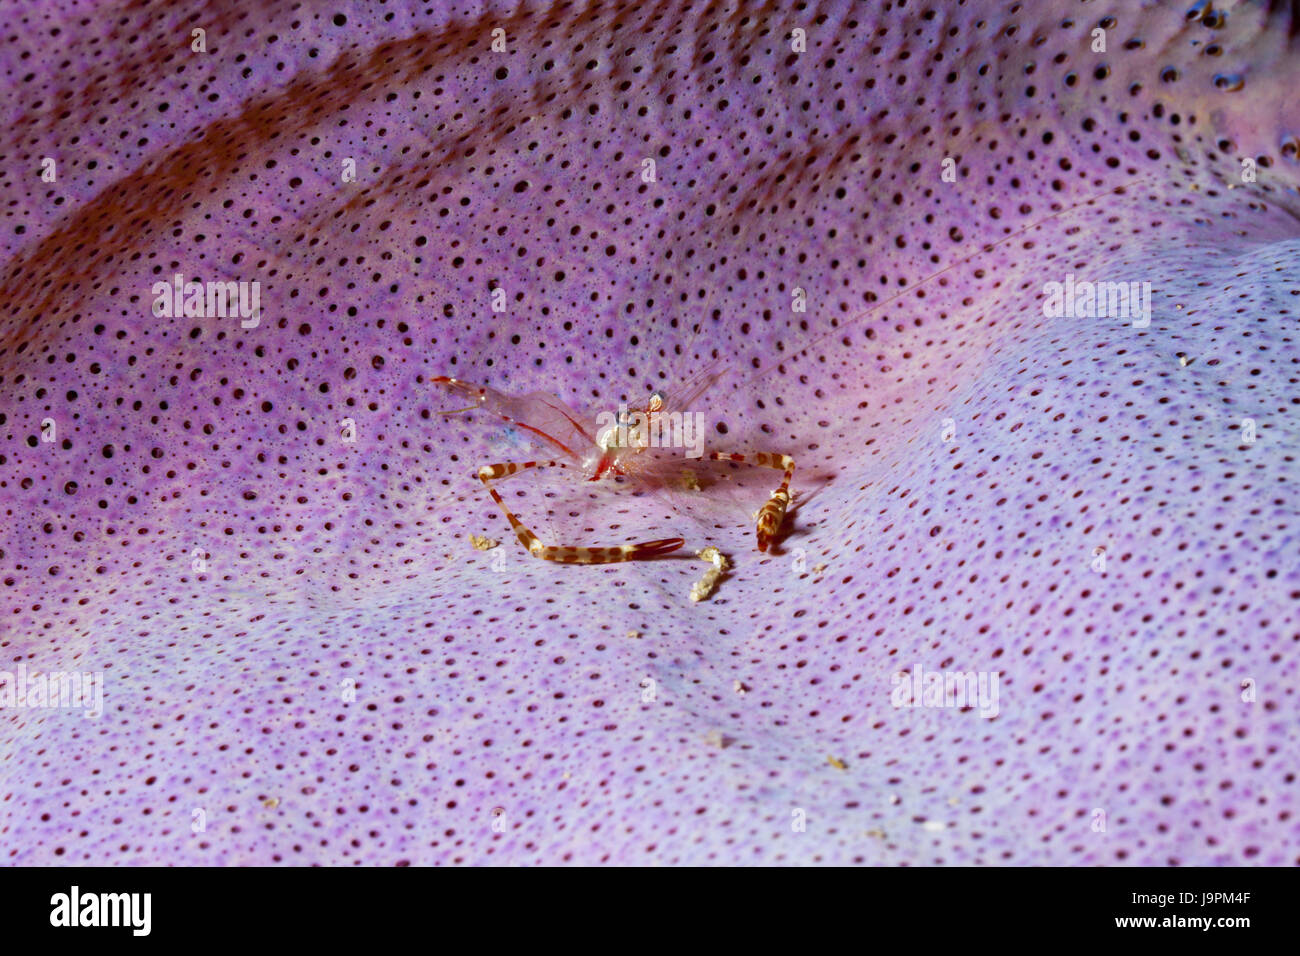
514,697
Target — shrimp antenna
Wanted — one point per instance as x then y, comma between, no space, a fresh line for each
468,408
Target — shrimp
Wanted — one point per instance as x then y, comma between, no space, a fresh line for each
628,445
625,447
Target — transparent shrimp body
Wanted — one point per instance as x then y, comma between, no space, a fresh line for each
627,443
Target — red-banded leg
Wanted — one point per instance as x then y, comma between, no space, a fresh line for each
566,555
772,514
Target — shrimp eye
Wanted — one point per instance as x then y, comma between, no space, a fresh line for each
656,401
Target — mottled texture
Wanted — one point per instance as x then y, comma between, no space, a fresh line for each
501,710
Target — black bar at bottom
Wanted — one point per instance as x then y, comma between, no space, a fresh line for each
1223,907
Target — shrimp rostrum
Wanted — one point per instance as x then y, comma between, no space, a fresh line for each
630,443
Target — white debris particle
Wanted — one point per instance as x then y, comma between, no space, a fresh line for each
705,585
482,543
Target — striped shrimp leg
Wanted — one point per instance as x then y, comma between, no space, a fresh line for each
563,554
772,514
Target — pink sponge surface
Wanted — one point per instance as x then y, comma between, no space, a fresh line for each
257,534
